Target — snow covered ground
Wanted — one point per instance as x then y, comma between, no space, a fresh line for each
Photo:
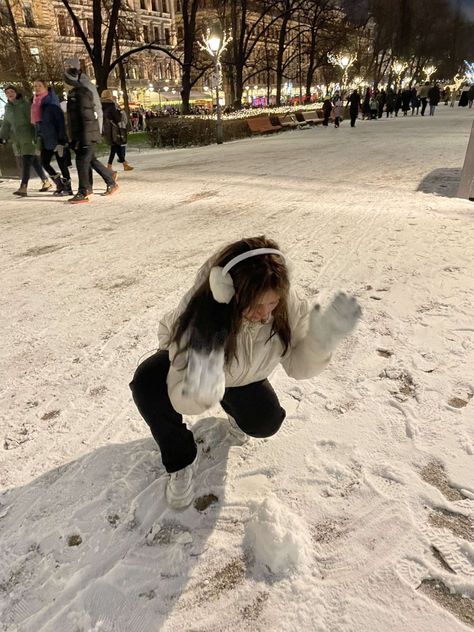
357,516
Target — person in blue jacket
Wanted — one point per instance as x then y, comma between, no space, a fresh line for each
48,117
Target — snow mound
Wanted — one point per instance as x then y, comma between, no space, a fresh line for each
278,539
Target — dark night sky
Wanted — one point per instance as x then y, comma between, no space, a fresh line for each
468,6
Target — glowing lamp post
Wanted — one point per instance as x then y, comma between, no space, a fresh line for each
344,61
214,43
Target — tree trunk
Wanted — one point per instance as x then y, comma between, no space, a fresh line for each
123,81
281,51
186,89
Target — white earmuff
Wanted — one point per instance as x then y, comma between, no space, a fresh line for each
220,281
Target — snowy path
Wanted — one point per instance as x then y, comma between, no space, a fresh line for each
366,494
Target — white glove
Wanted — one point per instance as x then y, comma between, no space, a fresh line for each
59,149
204,381
336,322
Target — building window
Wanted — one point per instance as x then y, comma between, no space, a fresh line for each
156,6
156,31
90,27
146,35
63,25
143,5
165,6
167,36
35,55
28,13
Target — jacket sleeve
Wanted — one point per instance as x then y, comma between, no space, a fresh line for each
305,359
5,130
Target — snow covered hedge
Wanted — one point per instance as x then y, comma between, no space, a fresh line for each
185,132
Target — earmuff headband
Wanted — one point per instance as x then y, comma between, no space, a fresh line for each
220,281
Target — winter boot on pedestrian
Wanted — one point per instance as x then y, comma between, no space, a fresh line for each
58,181
47,185
180,486
126,166
79,198
66,188
238,436
111,189
22,191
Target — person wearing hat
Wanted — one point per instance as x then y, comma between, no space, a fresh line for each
18,128
114,131
84,132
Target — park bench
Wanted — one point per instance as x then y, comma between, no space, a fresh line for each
262,125
289,121
312,117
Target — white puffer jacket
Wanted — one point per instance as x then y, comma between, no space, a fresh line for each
257,355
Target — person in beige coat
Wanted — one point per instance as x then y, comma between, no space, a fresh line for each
231,330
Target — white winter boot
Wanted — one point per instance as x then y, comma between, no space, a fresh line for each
180,487
238,436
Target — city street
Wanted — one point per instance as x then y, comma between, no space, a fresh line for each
358,515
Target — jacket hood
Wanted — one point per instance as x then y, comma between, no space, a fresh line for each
50,99
72,77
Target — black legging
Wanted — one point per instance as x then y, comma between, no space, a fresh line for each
255,408
46,157
119,150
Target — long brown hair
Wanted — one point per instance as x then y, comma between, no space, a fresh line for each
207,324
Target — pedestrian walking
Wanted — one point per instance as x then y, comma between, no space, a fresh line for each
354,106
382,100
414,102
434,95
423,95
48,118
327,109
398,102
391,99
406,101
338,110
84,135
114,131
236,324
17,128
470,96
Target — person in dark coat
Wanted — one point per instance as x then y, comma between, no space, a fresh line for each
406,100
464,98
470,96
415,102
47,116
391,99
84,133
114,131
382,100
327,109
17,128
366,104
354,106
434,95
398,102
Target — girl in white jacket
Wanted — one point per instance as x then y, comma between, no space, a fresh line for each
236,324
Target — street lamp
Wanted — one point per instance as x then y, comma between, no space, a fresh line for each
344,61
428,71
214,43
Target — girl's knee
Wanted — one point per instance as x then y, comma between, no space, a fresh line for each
270,426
